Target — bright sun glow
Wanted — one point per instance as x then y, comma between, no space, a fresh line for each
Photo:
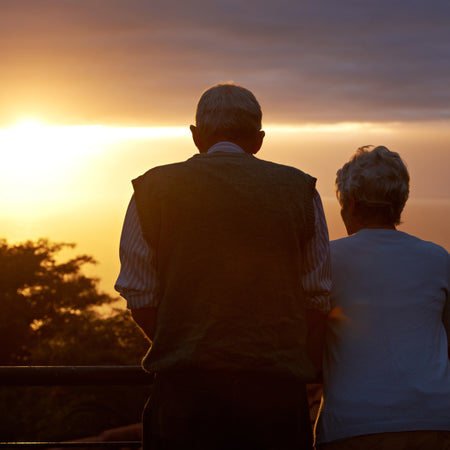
31,147
37,160
43,165
32,151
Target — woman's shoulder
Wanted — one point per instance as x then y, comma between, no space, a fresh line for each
424,245
388,242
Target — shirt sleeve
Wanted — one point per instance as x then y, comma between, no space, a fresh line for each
137,278
316,276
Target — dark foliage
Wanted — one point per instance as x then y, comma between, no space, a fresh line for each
49,317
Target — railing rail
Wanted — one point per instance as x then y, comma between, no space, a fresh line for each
73,376
58,445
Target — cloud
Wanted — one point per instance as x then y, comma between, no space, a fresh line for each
146,63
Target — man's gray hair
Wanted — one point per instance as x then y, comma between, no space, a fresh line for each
228,111
376,179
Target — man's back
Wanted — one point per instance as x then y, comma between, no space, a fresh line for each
228,230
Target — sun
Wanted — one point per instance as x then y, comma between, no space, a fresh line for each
39,163
37,160
30,148
33,150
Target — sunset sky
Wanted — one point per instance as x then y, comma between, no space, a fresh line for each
95,92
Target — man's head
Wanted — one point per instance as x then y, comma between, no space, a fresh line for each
227,112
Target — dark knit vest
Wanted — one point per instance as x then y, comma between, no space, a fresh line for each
228,231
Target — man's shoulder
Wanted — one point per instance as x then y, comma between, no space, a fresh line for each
181,169
284,169
279,166
162,170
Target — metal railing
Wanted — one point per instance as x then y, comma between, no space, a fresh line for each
73,376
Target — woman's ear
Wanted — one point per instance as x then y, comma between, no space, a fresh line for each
348,216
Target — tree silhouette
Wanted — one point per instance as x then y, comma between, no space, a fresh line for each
47,310
49,318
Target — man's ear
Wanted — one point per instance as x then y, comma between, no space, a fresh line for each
258,141
197,138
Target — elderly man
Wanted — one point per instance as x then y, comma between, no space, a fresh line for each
225,267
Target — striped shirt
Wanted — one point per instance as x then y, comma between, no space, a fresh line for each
137,281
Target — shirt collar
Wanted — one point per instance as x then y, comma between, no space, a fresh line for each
225,146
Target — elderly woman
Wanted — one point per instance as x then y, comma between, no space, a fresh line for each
386,363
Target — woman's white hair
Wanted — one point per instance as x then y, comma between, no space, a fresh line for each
228,111
377,181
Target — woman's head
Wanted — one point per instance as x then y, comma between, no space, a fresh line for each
372,189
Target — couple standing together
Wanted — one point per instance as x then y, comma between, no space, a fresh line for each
227,268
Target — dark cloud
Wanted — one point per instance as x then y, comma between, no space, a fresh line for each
146,62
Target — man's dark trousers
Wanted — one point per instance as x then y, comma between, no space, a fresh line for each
226,411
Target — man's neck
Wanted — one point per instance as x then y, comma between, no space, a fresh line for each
225,146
